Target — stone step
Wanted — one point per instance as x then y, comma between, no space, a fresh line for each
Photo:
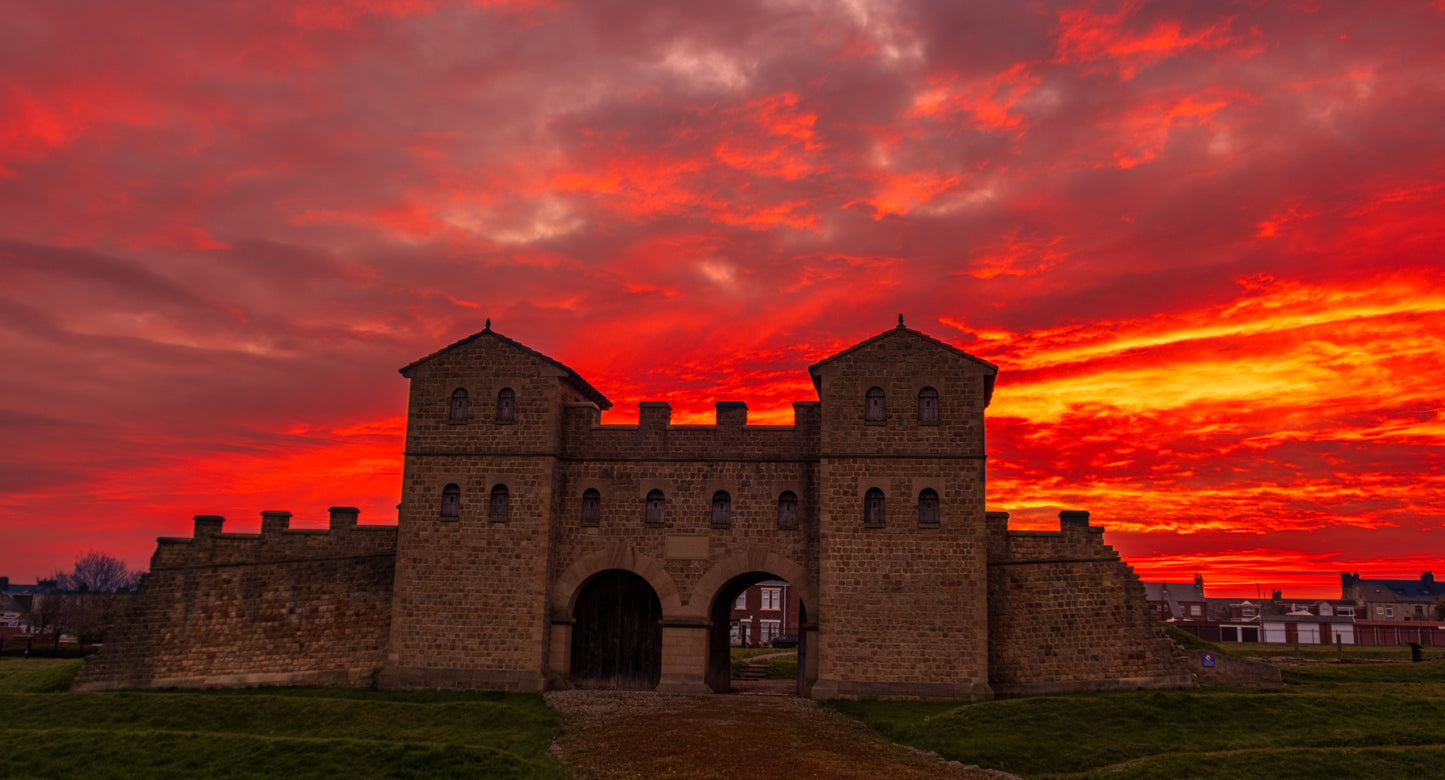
750,672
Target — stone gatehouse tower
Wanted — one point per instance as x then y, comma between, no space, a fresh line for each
870,505
537,548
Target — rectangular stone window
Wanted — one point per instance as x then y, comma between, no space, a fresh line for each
591,507
788,510
656,506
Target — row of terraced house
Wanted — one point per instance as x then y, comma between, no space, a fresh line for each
1369,612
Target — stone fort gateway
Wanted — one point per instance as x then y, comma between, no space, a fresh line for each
536,548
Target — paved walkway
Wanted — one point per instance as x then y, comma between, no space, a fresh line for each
624,734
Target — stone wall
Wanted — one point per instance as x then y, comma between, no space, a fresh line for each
1065,613
470,604
903,602
282,607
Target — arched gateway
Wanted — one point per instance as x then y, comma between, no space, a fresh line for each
536,547
617,633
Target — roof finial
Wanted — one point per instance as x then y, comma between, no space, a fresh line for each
489,324
900,320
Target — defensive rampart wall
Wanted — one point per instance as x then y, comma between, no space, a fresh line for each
282,607
654,437
1065,614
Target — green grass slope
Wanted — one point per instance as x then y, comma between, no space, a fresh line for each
277,732
1346,720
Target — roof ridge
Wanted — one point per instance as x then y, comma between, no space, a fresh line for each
586,387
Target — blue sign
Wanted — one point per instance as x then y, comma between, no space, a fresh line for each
1207,659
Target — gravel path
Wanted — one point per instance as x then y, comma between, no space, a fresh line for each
623,734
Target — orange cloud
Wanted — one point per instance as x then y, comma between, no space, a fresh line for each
991,101
1105,41
1145,130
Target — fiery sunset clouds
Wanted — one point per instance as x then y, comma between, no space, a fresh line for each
1201,240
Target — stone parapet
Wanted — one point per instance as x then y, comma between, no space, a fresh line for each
1066,614
281,607
656,438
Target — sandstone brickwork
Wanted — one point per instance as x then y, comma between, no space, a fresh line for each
282,607
1065,613
902,602
536,548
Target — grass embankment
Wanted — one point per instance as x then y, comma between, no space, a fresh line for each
260,732
782,667
1343,720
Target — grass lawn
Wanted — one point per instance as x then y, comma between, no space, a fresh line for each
265,732
1358,720
1328,652
783,667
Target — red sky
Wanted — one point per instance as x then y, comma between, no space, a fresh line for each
1201,240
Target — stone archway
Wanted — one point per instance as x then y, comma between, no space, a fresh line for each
618,555
718,675
616,633
570,586
713,596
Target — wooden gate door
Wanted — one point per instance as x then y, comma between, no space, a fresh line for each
617,633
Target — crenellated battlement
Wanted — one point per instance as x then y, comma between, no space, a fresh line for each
654,437
1075,540
1055,597
211,545
285,606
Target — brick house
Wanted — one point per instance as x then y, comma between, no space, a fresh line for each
1392,599
764,611
538,548
1179,601
1307,627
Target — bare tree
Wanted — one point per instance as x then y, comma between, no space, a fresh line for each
98,572
84,601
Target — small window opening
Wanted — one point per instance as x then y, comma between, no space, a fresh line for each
722,508
788,510
928,405
928,507
451,501
501,503
873,507
655,505
591,507
874,410
459,404
506,405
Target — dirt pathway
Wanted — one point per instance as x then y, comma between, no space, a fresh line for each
635,734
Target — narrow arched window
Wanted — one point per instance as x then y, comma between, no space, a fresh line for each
501,503
459,404
788,510
873,507
591,507
451,501
655,505
506,405
928,405
722,508
874,410
928,507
